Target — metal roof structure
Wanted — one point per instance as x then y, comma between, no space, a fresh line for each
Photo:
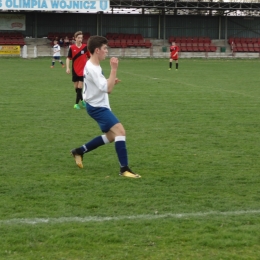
192,7
168,7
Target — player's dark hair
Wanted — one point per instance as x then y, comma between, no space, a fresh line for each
96,42
77,34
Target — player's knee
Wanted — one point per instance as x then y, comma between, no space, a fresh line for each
120,130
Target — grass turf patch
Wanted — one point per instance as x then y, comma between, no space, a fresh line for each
192,135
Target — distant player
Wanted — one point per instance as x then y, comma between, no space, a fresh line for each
79,55
56,54
96,90
174,55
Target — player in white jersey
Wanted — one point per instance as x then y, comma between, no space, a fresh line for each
56,54
95,89
95,92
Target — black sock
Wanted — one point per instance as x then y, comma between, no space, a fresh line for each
78,151
170,65
177,65
124,168
79,95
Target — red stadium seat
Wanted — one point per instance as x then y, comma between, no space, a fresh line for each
189,47
195,39
111,43
183,40
230,40
139,36
117,43
195,47
19,41
123,43
8,41
129,43
183,47
212,48
201,47
148,44
239,47
141,42
201,39
207,40
136,43
236,40
2,40
256,47
250,47
244,46
115,36
120,36
132,37
109,36
189,39
243,40
207,47
247,40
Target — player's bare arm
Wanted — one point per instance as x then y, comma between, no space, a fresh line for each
117,81
68,66
112,78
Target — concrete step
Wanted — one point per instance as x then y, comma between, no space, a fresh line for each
37,41
130,52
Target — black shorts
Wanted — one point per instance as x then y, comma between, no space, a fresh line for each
76,78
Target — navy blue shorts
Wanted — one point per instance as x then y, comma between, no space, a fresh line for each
56,57
104,117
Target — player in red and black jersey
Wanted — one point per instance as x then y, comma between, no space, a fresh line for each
174,55
79,55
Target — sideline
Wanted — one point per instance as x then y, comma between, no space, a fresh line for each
34,221
192,85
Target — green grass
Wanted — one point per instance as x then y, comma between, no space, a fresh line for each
192,134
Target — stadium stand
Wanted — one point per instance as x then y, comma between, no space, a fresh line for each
53,35
119,36
12,38
124,40
242,44
193,44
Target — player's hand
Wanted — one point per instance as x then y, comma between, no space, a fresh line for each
114,63
68,71
117,81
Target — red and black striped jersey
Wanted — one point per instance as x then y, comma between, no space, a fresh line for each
79,57
174,49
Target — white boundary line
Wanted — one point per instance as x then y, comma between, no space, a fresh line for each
34,221
195,86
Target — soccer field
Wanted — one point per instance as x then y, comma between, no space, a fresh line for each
192,134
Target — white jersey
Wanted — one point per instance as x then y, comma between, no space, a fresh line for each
56,50
95,86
